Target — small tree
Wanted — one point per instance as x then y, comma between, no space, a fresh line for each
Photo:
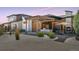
76,24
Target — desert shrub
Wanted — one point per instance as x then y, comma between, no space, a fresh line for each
40,34
1,31
51,34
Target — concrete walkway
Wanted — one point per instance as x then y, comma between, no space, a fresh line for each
33,43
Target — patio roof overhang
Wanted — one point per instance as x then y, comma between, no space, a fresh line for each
42,18
63,23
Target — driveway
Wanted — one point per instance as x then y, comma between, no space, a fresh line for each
33,43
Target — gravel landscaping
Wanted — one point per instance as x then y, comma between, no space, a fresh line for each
63,38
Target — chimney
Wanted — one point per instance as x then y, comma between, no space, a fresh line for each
68,13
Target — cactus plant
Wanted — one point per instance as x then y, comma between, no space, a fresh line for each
17,34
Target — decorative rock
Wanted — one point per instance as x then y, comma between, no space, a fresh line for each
45,36
55,38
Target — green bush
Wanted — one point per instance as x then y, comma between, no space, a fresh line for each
51,35
1,31
40,34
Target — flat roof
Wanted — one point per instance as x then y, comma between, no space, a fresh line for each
18,15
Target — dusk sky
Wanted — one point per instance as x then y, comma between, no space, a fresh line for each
6,11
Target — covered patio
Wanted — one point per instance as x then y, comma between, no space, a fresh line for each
46,22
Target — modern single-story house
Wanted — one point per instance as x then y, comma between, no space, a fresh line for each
37,23
51,22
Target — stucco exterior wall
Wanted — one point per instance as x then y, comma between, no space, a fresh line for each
69,21
12,18
18,24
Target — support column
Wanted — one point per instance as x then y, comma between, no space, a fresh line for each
52,26
29,25
24,24
36,26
